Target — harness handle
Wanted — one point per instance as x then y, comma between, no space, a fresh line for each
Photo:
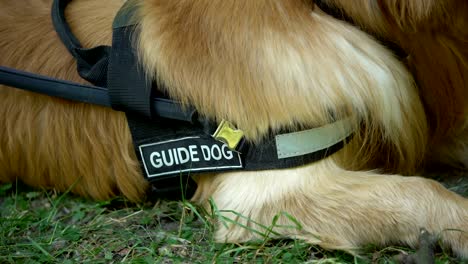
91,63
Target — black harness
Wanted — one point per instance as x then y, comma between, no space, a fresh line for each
171,142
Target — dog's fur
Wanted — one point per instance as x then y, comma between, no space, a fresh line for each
264,65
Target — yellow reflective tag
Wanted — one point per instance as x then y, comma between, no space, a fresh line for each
227,133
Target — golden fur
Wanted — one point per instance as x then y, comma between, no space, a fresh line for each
264,65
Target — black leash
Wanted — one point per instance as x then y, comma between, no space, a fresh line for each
162,107
53,87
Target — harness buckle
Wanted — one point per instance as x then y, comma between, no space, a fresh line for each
227,133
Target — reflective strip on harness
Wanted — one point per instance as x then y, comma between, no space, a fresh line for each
312,140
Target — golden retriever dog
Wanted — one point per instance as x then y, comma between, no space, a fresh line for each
265,66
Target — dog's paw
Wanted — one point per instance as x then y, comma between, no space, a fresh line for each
337,209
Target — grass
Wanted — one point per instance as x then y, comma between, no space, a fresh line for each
46,227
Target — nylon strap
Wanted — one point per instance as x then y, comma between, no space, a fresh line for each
132,92
91,63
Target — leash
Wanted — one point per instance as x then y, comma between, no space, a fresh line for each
162,107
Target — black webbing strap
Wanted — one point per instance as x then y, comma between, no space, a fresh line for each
91,63
264,156
129,88
117,68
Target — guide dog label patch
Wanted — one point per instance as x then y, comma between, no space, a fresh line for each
186,155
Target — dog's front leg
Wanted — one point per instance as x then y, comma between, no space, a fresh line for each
433,35
334,208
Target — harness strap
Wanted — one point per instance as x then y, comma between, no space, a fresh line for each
105,66
129,90
91,63
133,92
